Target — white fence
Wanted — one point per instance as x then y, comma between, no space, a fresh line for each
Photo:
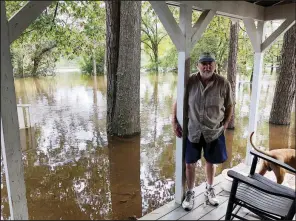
24,116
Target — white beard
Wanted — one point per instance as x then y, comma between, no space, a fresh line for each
207,74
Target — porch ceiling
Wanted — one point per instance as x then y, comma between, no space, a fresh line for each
270,2
261,10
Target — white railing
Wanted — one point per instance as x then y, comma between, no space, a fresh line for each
24,116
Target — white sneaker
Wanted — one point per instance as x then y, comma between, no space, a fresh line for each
188,201
210,193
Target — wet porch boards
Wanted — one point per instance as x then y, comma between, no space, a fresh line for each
201,210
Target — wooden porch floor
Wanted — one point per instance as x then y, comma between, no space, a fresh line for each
202,210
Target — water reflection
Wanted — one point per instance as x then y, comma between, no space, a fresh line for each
124,158
72,169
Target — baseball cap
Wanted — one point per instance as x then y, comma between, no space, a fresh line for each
206,57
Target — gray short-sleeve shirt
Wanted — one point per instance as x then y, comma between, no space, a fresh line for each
206,107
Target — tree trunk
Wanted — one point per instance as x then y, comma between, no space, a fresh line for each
155,53
123,67
38,57
218,68
105,62
278,57
35,66
94,64
272,63
285,85
271,68
232,64
20,66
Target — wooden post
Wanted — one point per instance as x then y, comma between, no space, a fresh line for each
254,104
21,117
255,35
24,17
10,135
184,38
183,75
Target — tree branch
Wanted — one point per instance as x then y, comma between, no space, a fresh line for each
54,16
55,12
149,36
147,27
147,44
46,49
28,31
161,38
242,28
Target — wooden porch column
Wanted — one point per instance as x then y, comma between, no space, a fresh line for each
254,103
184,38
183,75
192,35
259,46
10,135
255,34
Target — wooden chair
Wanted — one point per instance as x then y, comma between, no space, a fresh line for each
265,198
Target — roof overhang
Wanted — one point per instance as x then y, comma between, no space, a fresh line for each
243,9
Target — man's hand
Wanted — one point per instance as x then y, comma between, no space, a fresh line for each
227,117
225,125
177,128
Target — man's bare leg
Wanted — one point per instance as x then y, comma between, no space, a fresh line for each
210,170
190,175
188,202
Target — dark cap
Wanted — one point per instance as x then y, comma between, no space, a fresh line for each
206,57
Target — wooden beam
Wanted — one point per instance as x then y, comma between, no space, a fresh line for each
168,21
185,25
24,17
254,104
279,12
274,36
235,9
201,25
183,75
10,135
254,33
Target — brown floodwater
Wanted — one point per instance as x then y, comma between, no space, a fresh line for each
74,171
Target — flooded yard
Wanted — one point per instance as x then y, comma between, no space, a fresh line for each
74,171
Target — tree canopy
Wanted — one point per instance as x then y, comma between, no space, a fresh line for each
77,29
67,28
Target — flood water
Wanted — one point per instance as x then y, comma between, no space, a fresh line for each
74,171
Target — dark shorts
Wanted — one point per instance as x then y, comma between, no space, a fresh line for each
214,152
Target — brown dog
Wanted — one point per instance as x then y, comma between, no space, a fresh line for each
285,155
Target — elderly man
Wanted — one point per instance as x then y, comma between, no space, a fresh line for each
210,103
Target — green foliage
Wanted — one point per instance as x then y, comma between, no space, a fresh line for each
214,40
86,64
245,52
76,28
272,55
170,60
152,35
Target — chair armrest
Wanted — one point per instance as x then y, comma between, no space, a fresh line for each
272,160
258,185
